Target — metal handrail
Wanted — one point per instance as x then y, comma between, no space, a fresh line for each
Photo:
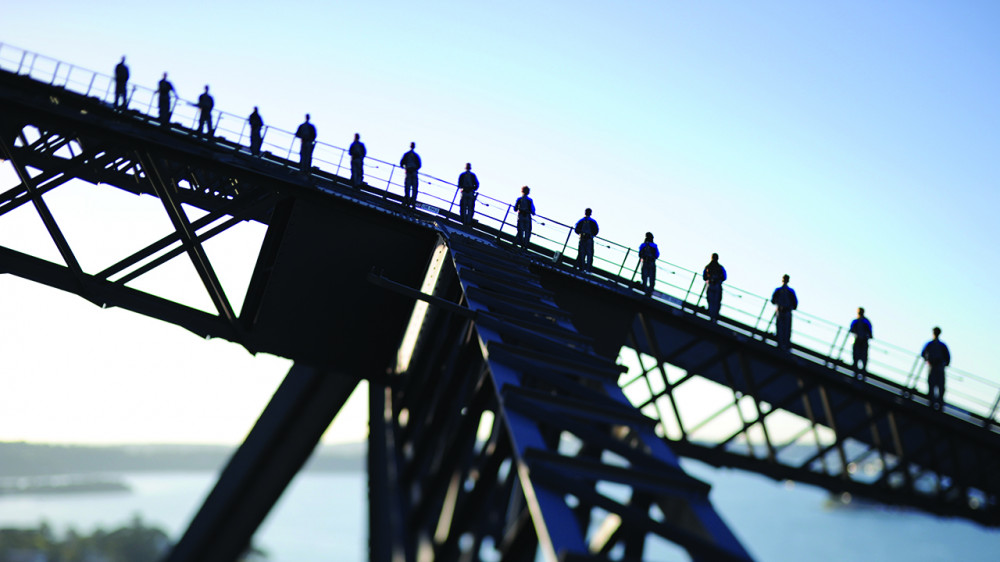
811,334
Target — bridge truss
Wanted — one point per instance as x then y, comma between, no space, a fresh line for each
499,425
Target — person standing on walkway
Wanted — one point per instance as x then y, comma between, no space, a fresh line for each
468,184
306,134
861,327
256,131
357,153
648,254
205,104
714,275
587,229
411,163
786,301
938,357
121,84
164,91
525,208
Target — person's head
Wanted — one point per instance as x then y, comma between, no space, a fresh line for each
307,117
525,190
413,145
357,136
206,88
587,211
715,257
784,279
936,331
468,166
255,109
123,59
649,237
861,312
164,75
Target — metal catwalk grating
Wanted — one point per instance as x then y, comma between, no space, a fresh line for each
511,439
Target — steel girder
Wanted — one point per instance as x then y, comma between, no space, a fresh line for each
52,140
740,402
275,450
501,433
47,153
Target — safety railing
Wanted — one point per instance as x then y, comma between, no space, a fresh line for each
742,310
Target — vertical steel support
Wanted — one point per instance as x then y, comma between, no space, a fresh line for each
275,450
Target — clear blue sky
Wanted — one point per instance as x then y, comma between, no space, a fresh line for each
852,145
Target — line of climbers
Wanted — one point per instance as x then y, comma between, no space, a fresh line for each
935,352
306,133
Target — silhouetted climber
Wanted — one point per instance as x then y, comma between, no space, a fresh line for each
937,356
648,254
121,84
164,91
861,327
714,275
411,163
785,300
307,135
587,229
524,207
205,104
357,152
468,183
256,131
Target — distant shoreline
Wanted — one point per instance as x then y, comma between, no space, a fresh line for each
52,485
20,459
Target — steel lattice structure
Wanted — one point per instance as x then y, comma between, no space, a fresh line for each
498,425
834,431
505,432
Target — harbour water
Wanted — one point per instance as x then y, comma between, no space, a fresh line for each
323,517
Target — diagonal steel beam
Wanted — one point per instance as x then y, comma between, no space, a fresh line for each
43,211
259,471
237,216
189,239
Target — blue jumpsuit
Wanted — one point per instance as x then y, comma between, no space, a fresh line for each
524,207
648,253
862,330
468,183
786,301
587,229
714,275
938,357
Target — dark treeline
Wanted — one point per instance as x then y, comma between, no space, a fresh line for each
29,459
136,542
